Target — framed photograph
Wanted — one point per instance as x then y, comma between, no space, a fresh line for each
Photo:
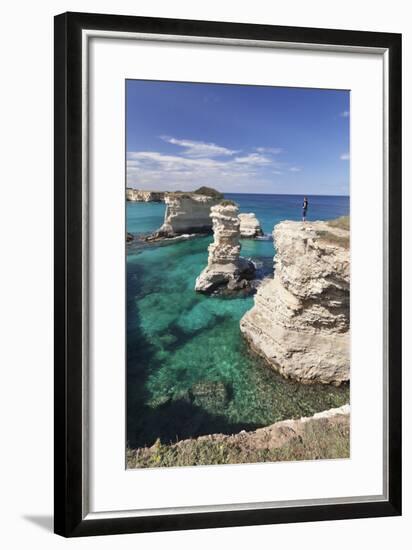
227,274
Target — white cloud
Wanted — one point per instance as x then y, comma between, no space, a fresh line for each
200,163
295,169
199,149
344,156
345,114
269,150
153,170
253,158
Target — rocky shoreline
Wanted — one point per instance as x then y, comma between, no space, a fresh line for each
140,195
324,435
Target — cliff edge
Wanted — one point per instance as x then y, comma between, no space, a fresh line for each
324,435
300,320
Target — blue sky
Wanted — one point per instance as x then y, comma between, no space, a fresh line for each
239,139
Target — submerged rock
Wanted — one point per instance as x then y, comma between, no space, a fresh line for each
129,237
249,226
300,319
225,270
209,395
186,213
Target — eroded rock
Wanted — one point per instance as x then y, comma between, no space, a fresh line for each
226,270
140,195
249,226
186,213
300,319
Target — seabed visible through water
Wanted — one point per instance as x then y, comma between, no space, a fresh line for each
189,370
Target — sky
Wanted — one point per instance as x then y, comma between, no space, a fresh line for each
237,139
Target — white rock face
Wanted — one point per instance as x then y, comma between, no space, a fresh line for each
138,195
186,213
300,320
225,267
249,226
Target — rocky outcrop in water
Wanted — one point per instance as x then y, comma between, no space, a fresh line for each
186,213
300,319
139,195
225,270
249,226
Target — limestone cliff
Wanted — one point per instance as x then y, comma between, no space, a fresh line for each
186,213
140,195
300,319
249,226
225,267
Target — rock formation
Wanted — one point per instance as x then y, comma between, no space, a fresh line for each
300,320
249,226
139,195
225,268
186,213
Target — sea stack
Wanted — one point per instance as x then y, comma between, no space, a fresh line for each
226,271
300,320
249,226
187,213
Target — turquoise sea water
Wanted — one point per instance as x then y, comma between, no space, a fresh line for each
179,341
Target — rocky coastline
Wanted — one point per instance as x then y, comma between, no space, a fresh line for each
140,195
226,270
300,320
324,435
299,323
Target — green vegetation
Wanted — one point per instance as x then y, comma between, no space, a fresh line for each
320,440
227,202
209,192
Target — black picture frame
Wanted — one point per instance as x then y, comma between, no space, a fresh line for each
69,489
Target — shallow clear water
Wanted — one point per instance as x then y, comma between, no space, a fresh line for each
189,371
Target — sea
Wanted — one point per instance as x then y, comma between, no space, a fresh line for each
189,370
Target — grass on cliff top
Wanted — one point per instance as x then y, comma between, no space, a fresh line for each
342,223
331,238
321,440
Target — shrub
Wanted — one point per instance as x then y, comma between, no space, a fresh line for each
209,192
227,202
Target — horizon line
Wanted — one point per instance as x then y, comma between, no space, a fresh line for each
239,193
293,194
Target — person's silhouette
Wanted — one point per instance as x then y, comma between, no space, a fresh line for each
304,208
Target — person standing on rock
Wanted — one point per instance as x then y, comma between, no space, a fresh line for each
304,208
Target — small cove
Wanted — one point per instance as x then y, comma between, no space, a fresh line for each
189,371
